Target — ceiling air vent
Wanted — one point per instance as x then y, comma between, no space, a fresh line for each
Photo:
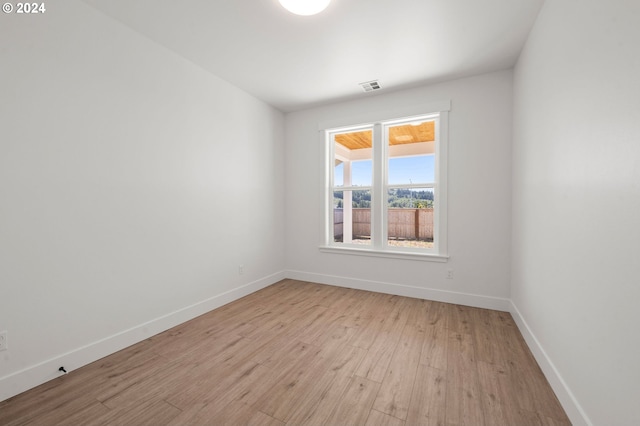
370,86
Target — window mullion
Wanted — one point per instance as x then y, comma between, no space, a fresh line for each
378,214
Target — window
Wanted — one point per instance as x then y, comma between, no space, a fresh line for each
386,187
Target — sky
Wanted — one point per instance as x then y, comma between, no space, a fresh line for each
419,169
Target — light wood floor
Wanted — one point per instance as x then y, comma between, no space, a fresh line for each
301,353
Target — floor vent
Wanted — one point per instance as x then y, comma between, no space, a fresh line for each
370,86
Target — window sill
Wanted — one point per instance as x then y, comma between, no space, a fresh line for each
424,257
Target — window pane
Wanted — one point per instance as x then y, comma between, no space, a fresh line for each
410,217
352,161
418,169
361,173
352,217
411,153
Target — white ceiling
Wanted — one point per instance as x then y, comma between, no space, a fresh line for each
294,62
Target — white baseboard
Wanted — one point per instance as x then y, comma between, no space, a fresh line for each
36,375
568,401
477,301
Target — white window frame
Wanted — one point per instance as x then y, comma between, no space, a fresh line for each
380,124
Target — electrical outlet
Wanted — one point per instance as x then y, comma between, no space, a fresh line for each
240,269
450,274
3,341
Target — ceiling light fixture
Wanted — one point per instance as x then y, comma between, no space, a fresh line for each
305,7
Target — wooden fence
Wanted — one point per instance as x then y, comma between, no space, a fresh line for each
404,224
338,220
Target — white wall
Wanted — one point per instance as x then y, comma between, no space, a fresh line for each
132,185
576,203
479,197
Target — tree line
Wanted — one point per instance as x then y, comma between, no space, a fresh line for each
404,198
